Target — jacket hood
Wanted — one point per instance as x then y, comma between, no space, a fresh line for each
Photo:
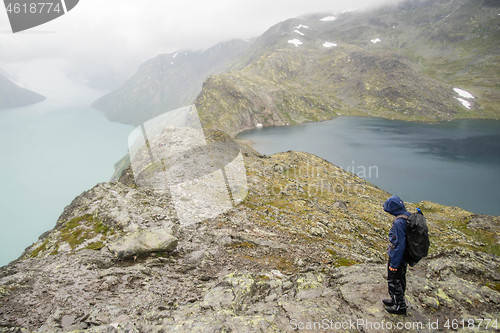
395,206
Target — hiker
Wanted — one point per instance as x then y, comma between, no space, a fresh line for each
396,267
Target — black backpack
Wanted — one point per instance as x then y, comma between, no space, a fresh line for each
417,238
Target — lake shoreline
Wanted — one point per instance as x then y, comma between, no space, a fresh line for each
446,166
364,115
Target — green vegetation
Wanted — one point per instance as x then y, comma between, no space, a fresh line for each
55,251
39,249
81,228
75,232
494,286
339,261
95,246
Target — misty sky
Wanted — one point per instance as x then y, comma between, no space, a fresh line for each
118,35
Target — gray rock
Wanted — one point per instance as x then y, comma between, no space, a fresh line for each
340,205
218,297
299,262
68,320
144,241
430,302
484,222
317,231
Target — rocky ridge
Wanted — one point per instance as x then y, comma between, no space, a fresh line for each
307,244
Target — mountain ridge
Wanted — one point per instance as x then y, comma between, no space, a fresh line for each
167,82
416,51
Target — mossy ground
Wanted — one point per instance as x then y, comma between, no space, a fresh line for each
82,228
85,231
294,193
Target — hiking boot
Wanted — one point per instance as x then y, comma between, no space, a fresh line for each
396,309
388,302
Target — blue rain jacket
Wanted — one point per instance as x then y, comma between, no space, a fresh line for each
397,235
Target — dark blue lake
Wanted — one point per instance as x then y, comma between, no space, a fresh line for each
454,163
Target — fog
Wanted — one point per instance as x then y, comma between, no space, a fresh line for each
108,40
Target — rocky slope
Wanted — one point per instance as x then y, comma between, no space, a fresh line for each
167,82
11,95
306,244
399,61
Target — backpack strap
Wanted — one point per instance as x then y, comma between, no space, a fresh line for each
401,216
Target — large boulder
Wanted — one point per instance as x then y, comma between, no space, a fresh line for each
144,241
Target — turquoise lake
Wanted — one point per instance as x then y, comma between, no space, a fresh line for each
51,152
454,163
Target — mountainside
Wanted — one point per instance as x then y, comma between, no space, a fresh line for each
397,62
11,95
313,85
167,82
308,243
401,61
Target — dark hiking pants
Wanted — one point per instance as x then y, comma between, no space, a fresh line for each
396,282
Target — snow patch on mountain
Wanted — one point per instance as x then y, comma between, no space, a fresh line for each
328,19
464,102
300,26
295,42
350,10
463,93
329,44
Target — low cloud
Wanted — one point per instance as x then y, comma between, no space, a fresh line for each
121,34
